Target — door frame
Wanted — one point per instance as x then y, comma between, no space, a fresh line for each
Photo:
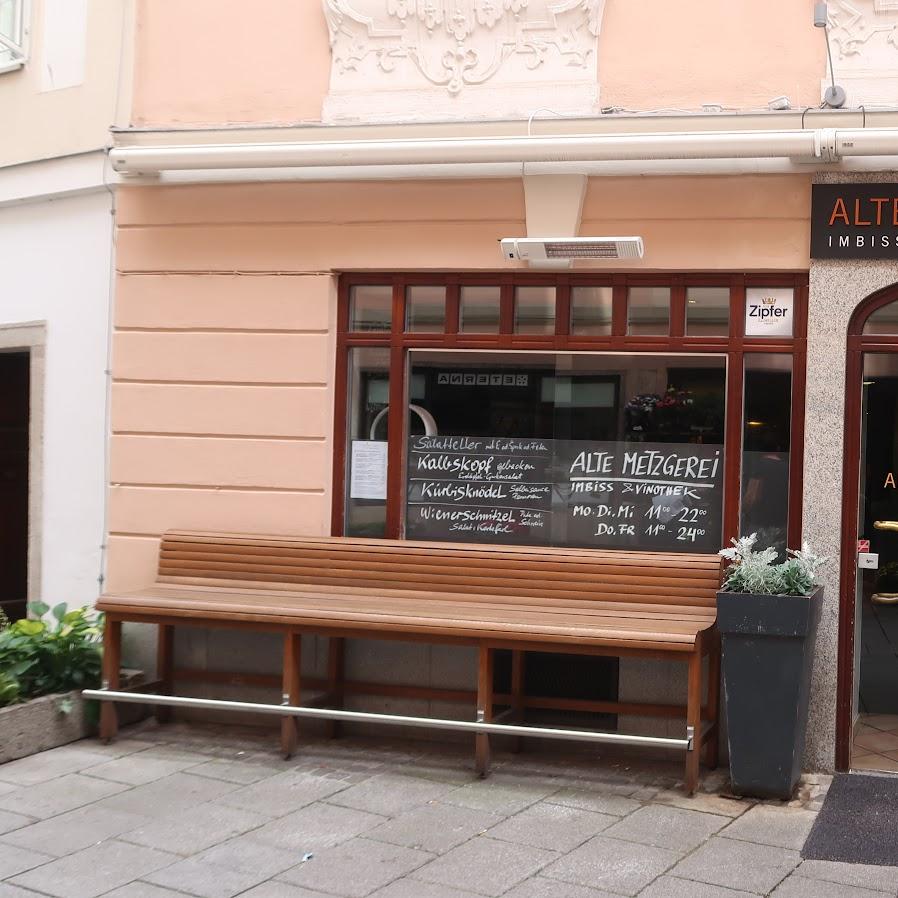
31,337
857,345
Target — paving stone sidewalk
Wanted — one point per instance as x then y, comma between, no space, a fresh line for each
215,813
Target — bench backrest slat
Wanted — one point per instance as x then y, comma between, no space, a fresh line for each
683,580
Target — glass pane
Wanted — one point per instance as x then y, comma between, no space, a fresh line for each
479,311
9,20
765,449
708,311
370,307
534,310
425,310
603,450
876,622
883,321
366,442
648,310
591,310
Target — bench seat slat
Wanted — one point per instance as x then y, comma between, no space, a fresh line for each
183,562
438,614
359,547
392,553
425,604
189,586
652,604
620,593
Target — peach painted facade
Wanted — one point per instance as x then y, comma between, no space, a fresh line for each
222,411
651,55
223,399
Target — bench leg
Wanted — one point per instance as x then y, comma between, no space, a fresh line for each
112,665
484,708
165,664
517,695
694,718
336,648
712,746
292,663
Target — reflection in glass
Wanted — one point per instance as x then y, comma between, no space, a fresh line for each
366,469
876,637
600,396
534,310
765,449
370,307
883,321
707,311
648,310
425,309
591,310
479,310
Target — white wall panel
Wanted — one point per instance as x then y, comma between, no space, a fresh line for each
55,258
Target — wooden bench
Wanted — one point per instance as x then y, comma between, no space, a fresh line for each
612,603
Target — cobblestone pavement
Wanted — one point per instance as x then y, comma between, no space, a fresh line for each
215,813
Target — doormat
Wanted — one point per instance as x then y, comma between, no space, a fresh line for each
857,823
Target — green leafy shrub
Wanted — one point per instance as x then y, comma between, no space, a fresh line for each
39,657
9,690
756,572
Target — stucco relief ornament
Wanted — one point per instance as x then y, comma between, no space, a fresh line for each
854,23
456,44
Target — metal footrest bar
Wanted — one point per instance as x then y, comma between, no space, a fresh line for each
498,729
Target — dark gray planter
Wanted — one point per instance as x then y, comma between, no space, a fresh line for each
768,654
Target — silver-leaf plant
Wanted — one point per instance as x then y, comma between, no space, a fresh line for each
756,572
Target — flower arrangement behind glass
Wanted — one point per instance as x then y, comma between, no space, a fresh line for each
653,412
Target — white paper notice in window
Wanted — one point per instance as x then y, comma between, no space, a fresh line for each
768,311
368,471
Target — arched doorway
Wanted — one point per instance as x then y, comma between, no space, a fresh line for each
867,714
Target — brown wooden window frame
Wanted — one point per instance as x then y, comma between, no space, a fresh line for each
734,346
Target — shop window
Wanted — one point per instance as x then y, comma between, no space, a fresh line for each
568,449
425,310
648,310
707,311
13,35
591,310
484,381
534,310
883,321
371,308
766,443
479,310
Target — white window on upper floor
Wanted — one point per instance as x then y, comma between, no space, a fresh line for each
13,34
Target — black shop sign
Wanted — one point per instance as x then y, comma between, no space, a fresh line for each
854,221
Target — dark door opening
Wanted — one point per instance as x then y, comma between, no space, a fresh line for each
875,743
15,370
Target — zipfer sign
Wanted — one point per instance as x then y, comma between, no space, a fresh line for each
854,221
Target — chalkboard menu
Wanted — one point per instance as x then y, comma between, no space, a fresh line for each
657,497
480,489
648,496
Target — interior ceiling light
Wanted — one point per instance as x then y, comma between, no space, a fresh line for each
561,249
